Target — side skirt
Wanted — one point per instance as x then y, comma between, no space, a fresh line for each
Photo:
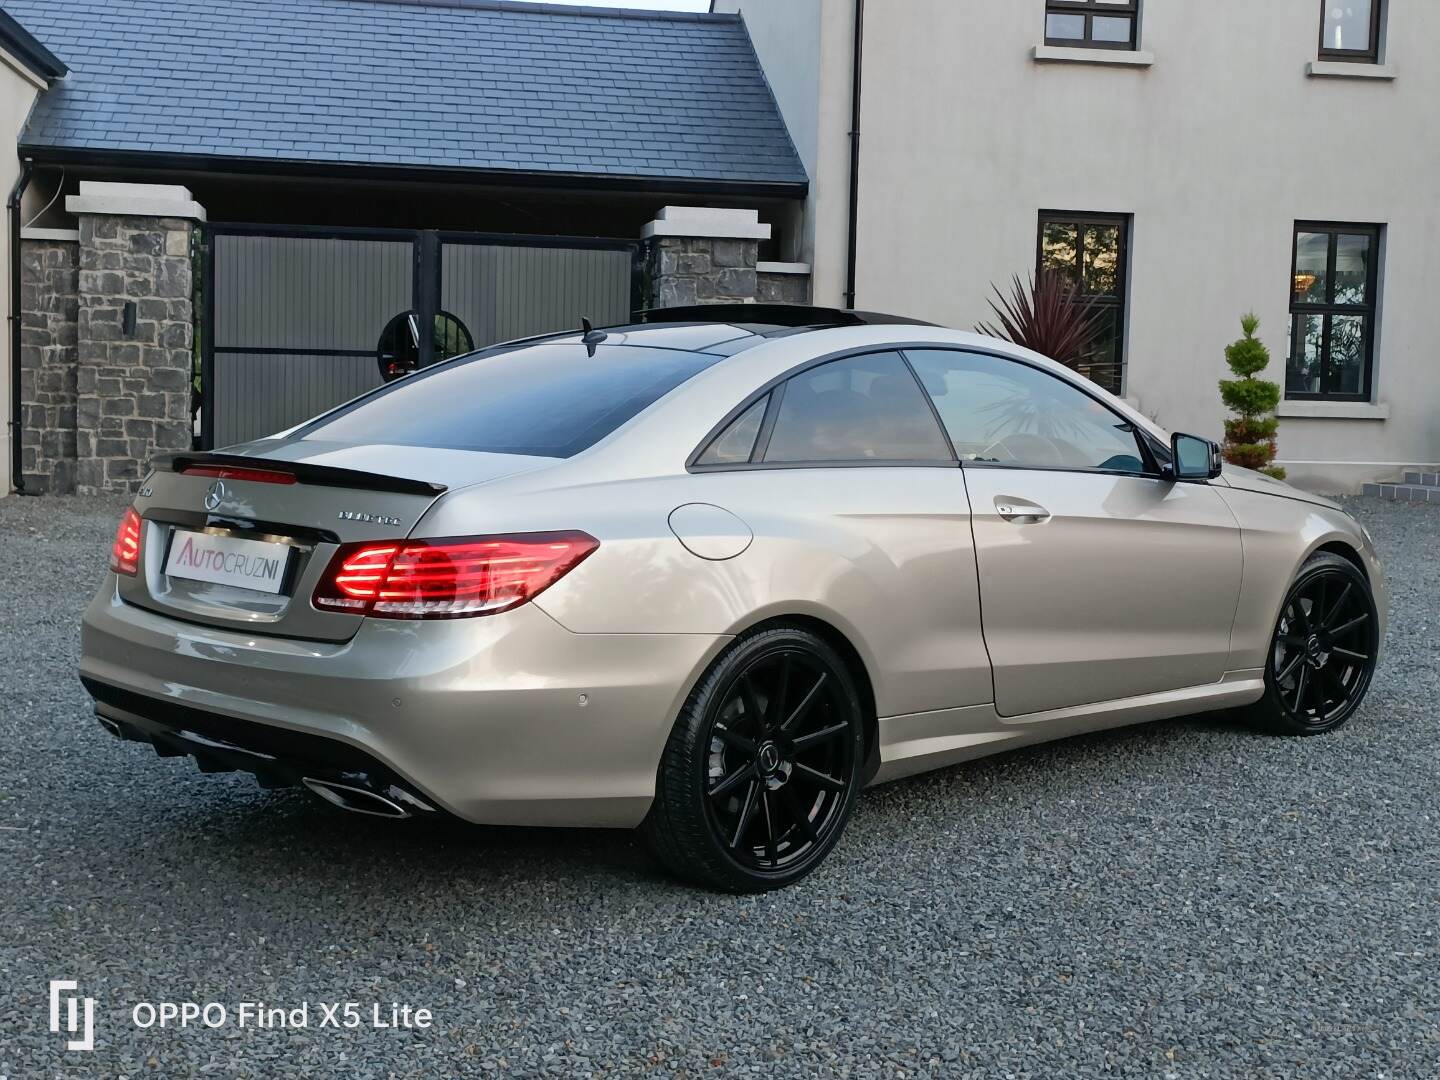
918,742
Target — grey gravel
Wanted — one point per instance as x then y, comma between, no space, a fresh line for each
1189,899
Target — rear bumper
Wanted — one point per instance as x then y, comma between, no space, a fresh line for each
478,717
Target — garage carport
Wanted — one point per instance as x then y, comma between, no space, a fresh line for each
341,199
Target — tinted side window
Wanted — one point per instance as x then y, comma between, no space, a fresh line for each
733,445
1007,413
862,408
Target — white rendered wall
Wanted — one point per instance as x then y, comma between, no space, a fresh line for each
1216,148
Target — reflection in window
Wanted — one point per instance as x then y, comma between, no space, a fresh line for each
1332,308
1092,24
1350,29
1088,252
1003,412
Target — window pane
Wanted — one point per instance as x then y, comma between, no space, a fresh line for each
1352,268
865,408
1110,28
1102,260
733,445
1302,372
1312,252
1009,413
1065,27
1059,248
1347,24
543,400
1102,361
1347,354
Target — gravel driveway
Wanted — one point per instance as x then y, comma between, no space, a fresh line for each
1184,900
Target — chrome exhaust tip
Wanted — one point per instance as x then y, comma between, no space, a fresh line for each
357,800
111,726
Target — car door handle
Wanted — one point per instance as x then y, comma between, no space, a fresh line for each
1021,512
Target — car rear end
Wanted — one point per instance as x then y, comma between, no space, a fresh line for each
288,611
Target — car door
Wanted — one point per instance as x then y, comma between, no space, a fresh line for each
1098,580
858,508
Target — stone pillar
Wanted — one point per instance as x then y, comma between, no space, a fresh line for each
702,255
783,283
135,330
49,261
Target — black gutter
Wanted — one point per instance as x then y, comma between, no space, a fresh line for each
857,64
431,174
17,471
24,47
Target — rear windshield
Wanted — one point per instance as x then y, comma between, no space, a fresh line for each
541,401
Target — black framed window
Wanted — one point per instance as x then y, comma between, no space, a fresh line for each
1334,279
1350,30
1092,24
1089,251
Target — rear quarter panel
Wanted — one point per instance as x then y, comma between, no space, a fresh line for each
884,555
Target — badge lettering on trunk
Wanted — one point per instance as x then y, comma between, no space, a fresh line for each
368,519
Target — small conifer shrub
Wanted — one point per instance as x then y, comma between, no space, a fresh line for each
1250,435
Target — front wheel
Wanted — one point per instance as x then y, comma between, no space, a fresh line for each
1323,651
760,773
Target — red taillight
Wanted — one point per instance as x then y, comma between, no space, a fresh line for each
229,472
448,579
125,553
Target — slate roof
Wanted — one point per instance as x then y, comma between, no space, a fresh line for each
456,84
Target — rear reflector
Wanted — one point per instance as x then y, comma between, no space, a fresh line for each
450,578
125,553
230,472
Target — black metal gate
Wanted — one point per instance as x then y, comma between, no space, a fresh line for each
297,320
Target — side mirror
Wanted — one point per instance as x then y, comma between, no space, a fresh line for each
1193,458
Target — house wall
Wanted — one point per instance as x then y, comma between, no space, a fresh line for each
804,47
17,93
1216,149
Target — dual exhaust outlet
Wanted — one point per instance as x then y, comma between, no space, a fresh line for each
357,800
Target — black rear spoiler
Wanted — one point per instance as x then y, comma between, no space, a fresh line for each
304,472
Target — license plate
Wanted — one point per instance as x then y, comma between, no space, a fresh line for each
228,560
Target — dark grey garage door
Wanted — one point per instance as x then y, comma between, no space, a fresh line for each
299,320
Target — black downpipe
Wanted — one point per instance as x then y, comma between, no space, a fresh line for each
17,470
857,66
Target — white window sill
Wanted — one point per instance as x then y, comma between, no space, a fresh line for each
1333,410
1330,69
1056,54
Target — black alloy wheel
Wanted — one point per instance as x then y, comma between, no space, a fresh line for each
1324,649
762,769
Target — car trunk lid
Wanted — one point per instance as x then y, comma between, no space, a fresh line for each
240,539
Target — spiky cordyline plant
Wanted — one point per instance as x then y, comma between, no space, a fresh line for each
1045,314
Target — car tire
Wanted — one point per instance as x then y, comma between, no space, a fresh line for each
1319,666
760,773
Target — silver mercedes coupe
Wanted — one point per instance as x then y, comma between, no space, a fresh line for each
710,575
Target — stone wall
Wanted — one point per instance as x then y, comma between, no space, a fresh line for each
133,384
49,271
683,270
787,288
